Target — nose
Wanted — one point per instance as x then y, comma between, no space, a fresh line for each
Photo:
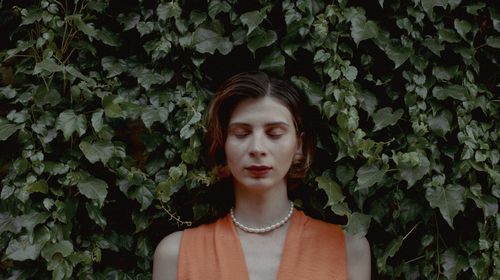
257,146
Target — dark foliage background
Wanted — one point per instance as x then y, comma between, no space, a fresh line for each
102,109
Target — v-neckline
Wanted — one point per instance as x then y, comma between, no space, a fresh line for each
241,254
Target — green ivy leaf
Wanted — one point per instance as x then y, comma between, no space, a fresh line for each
444,73
148,78
453,91
87,28
434,45
493,41
108,38
332,189
30,16
20,165
98,151
197,17
369,175
313,91
168,10
154,114
128,21
440,124
141,221
392,248
217,6
362,30
350,73
43,97
40,186
454,3
273,62
398,54
188,130
252,19
8,92
143,195
61,268
385,117
113,66
321,56
144,249
207,41
145,28
8,222
95,213
368,101
344,173
48,65
453,263
412,166
448,35
462,27
429,5
64,248
111,105
93,188
31,220
473,8
97,120
261,38
494,174
449,200
7,129
358,224
22,249
21,46
68,122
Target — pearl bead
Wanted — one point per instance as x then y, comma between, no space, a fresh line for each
263,229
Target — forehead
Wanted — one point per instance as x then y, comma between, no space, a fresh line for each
260,111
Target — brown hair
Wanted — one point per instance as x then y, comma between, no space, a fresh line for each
256,85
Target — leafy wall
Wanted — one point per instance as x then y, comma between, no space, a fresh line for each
102,119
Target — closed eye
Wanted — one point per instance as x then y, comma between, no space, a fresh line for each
239,132
276,133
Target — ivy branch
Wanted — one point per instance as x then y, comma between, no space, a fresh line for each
174,216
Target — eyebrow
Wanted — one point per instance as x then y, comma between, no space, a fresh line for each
278,123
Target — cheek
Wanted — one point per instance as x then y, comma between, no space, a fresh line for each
231,151
287,151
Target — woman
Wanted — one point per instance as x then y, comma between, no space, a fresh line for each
259,136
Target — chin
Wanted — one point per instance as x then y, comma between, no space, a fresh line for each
256,184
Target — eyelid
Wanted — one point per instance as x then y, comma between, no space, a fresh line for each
239,131
276,130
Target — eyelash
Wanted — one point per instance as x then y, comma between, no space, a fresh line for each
271,135
275,136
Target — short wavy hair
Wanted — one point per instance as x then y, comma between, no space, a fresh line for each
253,85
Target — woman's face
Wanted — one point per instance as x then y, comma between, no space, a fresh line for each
261,143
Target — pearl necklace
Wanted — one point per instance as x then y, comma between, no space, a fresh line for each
263,229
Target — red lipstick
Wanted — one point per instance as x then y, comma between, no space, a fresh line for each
258,170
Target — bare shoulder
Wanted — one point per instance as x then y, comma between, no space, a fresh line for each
358,257
166,256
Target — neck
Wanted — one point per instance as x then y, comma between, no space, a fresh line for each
261,208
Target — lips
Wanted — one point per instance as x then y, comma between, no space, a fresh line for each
258,170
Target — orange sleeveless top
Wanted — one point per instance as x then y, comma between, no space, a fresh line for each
313,250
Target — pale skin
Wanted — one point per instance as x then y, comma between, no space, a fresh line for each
261,133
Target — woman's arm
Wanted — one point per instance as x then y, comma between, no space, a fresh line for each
358,257
166,256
